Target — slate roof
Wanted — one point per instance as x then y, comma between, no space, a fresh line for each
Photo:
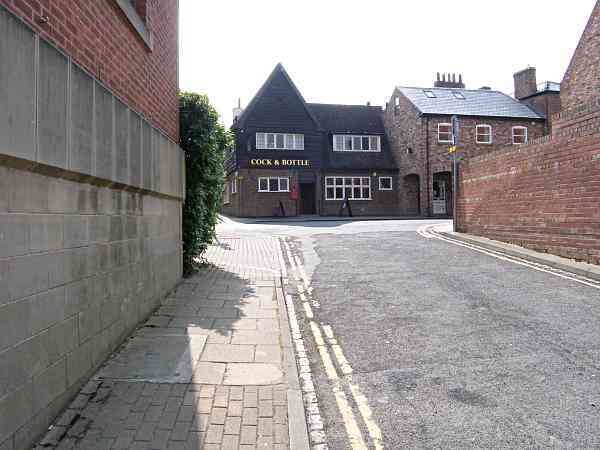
358,119
483,103
348,118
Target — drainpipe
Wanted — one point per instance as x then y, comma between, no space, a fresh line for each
428,169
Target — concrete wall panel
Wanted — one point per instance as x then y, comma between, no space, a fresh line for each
156,146
82,120
17,88
135,149
103,135
53,75
121,173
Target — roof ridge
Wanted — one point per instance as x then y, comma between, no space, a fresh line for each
343,104
449,89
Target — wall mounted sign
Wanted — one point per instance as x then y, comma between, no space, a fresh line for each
264,162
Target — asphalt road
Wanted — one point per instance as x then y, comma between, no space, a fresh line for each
452,348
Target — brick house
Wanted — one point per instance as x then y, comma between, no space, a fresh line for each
543,98
91,192
418,124
297,158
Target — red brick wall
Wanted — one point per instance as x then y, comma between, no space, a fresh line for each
99,37
582,79
543,196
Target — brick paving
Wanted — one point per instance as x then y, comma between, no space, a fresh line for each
204,372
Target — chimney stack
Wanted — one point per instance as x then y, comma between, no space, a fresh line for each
451,82
525,83
237,111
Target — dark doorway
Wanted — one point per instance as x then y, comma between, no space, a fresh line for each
412,195
442,194
307,198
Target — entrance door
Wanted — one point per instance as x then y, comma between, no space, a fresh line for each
307,198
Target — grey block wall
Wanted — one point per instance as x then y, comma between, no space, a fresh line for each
90,234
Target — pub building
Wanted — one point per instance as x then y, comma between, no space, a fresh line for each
296,158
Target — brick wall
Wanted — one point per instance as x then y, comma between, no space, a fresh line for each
100,38
581,82
542,196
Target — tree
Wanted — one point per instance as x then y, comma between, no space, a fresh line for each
204,142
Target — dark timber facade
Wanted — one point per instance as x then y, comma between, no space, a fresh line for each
295,158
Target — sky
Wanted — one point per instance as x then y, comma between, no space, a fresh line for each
354,52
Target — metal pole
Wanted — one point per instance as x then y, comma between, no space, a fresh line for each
454,191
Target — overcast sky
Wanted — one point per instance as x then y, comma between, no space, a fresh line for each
354,51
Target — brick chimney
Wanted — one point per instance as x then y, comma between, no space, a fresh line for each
450,82
525,83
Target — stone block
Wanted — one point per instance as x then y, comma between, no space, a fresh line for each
7,445
82,120
29,192
79,296
14,236
4,293
28,275
135,149
99,228
52,96
49,384
156,161
79,363
45,232
75,264
76,231
16,409
47,309
89,323
57,270
121,142
146,155
4,188
17,88
103,144
62,197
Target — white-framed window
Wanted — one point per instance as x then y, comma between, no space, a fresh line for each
279,141
225,196
233,185
273,184
519,135
483,134
445,133
385,183
356,143
352,188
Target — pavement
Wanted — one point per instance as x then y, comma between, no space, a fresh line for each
211,369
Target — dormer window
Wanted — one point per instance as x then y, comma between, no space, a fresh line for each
356,143
279,141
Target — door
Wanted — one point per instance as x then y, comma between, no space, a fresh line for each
307,198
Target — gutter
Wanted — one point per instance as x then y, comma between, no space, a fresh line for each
428,166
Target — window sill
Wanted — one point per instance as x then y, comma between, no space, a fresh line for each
136,21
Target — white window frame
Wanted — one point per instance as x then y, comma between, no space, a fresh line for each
339,182
440,141
233,185
291,141
343,137
391,188
526,135
489,127
278,184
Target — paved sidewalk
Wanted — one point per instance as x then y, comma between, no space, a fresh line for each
207,371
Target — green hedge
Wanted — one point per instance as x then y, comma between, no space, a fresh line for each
204,142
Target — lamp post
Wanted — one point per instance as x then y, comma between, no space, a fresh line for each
455,136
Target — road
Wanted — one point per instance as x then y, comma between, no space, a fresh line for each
421,343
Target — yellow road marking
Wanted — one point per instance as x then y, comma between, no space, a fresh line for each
308,310
354,435
367,415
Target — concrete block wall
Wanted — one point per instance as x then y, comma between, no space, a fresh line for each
90,227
